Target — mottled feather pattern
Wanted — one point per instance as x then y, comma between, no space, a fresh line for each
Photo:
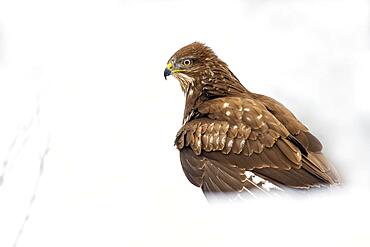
215,177
292,124
233,140
252,131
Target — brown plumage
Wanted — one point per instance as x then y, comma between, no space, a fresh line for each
233,140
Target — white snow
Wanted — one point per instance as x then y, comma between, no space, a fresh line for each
90,74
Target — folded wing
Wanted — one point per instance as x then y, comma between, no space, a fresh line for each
238,144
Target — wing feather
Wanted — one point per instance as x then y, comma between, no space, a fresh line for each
235,135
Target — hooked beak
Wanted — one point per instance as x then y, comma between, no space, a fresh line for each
167,72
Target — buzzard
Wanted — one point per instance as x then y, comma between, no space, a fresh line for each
236,141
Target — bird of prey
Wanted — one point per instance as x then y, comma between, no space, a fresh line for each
236,141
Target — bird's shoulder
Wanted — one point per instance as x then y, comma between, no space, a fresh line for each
282,113
290,122
232,125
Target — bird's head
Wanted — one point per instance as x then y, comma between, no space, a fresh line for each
192,63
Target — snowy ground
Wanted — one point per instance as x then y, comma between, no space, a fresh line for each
88,121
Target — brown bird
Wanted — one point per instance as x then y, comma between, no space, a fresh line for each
233,140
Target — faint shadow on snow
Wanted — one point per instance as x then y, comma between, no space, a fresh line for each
22,169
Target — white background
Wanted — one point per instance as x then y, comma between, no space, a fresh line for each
83,81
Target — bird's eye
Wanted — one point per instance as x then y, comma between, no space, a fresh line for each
186,62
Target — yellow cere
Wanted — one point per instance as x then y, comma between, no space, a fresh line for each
170,67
